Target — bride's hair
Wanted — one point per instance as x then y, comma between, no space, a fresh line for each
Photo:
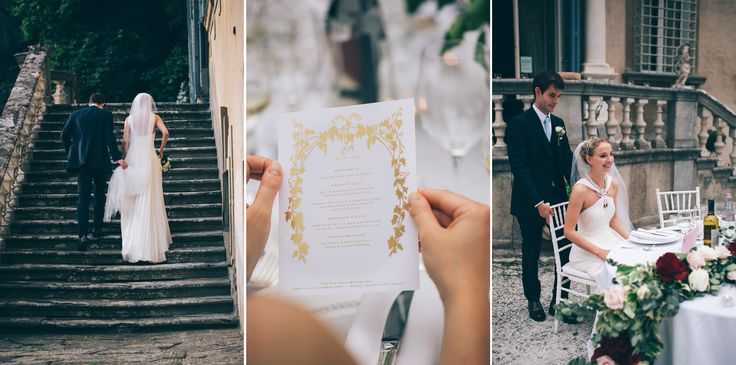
588,147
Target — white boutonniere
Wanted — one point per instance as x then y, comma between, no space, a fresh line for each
560,131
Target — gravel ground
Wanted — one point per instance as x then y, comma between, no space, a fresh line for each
187,347
516,339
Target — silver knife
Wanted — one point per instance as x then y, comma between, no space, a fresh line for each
393,329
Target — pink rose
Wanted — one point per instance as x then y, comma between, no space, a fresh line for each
614,297
695,260
605,360
723,252
731,275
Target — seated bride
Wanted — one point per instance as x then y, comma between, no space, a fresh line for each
598,207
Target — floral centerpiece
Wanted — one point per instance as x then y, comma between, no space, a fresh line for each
630,312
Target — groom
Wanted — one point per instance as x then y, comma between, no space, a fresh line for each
540,159
89,142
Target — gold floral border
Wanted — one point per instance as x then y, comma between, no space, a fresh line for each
347,129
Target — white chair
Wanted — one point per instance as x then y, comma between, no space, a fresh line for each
671,203
565,274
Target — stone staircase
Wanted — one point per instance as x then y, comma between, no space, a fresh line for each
46,285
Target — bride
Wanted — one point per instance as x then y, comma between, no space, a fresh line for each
598,197
137,192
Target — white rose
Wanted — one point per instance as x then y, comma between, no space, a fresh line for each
723,252
699,280
642,292
696,260
708,253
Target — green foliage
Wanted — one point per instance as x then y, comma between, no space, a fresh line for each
119,48
9,45
647,300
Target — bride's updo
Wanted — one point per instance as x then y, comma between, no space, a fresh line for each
589,146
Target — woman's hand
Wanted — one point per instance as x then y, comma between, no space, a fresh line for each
258,214
603,254
455,240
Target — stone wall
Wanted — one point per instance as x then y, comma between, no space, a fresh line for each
226,33
25,106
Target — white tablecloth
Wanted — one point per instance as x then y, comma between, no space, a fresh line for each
701,332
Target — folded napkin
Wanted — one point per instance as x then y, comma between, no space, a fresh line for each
660,236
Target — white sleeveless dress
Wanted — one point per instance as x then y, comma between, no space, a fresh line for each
594,225
137,192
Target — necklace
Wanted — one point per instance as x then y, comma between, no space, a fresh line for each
602,192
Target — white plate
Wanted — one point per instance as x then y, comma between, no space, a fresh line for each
648,242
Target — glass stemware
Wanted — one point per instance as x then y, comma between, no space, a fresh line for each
453,98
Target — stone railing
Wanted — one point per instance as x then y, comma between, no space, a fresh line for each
661,137
19,125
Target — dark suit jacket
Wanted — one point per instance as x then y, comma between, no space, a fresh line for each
540,167
88,139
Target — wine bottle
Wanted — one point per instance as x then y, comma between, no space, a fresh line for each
710,226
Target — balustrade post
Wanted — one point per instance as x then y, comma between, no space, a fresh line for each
732,132
499,126
658,141
641,126
720,125
612,122
626,142
60,96
705,116
591,124
526,99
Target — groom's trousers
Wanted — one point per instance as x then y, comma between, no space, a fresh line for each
85,178
531,233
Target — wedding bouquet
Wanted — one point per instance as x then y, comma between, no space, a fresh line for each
165,162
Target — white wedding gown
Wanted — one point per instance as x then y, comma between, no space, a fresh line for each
594,225
137,192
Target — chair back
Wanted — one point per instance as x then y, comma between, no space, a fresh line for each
556,223
671,203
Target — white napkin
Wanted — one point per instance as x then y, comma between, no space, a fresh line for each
422,339
656,236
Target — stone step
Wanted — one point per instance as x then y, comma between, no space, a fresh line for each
159,289
74,325
69,241
70,212
112,273
172,125
101,309
119,116
174,152
107,257
168,185
70,199
172,142
176,161
55,135
20,226
125,107
179,173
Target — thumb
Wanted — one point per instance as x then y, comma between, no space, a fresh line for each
422,214
270,183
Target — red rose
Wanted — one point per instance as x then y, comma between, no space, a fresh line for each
617,348
671,268
732,247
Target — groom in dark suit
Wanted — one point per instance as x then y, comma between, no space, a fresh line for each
89,142
541,160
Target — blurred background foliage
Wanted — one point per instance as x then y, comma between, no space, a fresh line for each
119,48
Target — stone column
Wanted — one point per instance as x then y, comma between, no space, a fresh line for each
595,66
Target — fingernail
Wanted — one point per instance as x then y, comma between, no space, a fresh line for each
414,199
274,169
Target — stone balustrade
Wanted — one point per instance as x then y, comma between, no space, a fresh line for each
19,124
665,138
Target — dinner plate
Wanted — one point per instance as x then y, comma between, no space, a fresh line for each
642,241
